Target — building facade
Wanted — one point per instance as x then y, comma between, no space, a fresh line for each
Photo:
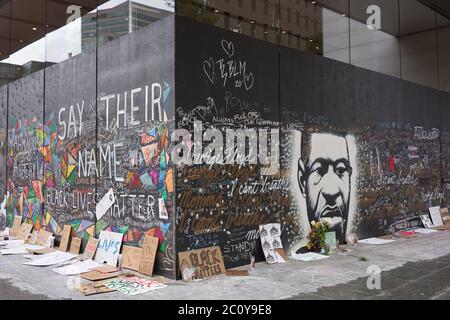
206,119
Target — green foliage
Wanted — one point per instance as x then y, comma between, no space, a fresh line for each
317,235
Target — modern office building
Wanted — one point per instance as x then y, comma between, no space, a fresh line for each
205,119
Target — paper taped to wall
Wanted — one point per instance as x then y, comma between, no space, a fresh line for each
104,204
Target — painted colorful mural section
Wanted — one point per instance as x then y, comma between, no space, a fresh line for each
101,135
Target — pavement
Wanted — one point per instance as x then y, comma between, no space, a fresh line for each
414,268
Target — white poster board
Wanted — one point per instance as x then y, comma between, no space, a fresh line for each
108,249
435,213
77,268
426,221
52,258
104,204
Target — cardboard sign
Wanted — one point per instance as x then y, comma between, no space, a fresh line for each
16,226
24,231
108,249
32,239
75,246
104,204
96,275
149,249
91,248
445,216
200,264
237,273
65,238
435,214
43,237
94,288
131,257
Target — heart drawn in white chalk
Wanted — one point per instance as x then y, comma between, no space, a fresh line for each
228,47
249,81
208,68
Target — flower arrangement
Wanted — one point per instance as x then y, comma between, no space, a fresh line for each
316,238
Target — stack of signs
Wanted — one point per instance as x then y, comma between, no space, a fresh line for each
271,243
109,248
134,285
426,221
200,264
435,213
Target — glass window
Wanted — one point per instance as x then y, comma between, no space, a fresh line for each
418,41
116,18
27,39
64,38
5,22
335,38
444,52
374,27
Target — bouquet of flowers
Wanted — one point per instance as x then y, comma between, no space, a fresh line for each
316,238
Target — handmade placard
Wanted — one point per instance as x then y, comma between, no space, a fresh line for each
42,237
108,249
75,246
435,214
24,231
105,203
426,221
149,249
16,226
131,257
91,248
202,263
65,238
445,216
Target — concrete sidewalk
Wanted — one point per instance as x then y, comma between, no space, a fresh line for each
423,261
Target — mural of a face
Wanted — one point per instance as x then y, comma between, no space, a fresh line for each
325,181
